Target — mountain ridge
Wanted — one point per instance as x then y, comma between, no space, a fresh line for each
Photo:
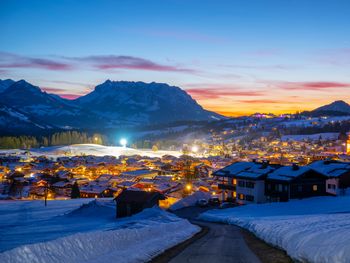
111,104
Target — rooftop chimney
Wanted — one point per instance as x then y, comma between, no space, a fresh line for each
295,167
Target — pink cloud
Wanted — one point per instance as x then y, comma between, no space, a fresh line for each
267,101
312,86
214,93
69,96
129,62
9,60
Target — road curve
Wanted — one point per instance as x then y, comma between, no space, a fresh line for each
223,243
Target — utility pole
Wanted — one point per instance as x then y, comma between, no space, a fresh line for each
45,192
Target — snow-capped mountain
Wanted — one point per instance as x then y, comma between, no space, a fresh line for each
146,103
337,107
4,84
110,105
40,105
13,121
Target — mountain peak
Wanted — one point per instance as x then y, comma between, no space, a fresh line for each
339,106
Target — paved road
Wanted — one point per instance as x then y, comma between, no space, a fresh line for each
223,243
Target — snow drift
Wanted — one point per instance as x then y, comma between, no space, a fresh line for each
311,230
76,231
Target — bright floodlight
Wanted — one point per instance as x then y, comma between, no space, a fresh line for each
194,149
123,142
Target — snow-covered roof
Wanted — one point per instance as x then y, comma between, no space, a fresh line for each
249,170
331,168
288,173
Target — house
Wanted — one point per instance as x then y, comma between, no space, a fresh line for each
244,182
337,173
291,182
131,202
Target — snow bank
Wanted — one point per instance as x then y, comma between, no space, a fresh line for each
310,230
189,200
76,231
122,245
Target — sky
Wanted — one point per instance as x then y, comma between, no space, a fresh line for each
234,57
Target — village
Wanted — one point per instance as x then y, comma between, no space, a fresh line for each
239,176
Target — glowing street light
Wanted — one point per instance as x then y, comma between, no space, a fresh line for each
194,149
123,142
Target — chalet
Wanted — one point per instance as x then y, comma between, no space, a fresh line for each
291,182
244,182
132,202
337,173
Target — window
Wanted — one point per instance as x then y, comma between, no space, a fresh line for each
241,183
314,187
249,184
280,188
234,181
329,186
241,197
234,194
285,188
249,198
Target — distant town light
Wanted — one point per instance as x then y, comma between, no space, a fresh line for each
123,142
194,148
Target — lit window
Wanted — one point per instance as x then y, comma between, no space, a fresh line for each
234,194
314,187
241,196
234,181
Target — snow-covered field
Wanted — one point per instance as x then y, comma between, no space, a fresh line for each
92,149
310,230
67,231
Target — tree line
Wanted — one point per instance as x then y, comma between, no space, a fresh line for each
58,138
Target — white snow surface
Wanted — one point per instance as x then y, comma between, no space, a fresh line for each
92,149
310,230
190,200
64,231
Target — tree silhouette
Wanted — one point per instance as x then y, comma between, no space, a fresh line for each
75,191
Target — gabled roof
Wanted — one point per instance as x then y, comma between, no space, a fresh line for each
331,168
288,173
248,170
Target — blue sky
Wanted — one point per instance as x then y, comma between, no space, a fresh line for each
234,57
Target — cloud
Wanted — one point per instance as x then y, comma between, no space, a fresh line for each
219,92
69,96
267,101
335,57
9,60
106,62
312,86
101,62
52,90
63,93
262,67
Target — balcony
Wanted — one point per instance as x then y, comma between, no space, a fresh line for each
227,187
